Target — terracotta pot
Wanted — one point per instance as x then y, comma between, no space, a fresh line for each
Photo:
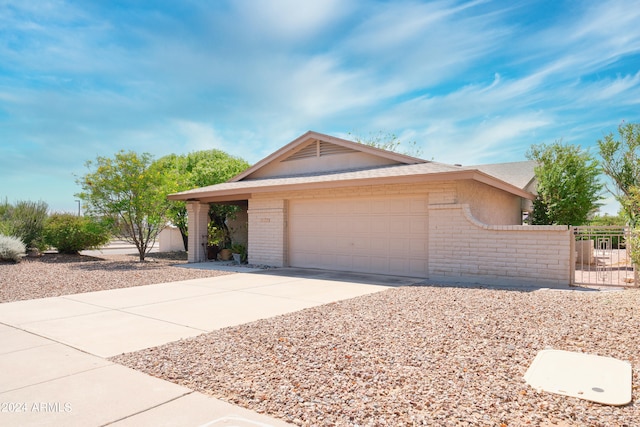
224,255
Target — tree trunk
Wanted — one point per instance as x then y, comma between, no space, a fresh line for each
185,238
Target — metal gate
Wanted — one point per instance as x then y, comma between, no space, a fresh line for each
601,256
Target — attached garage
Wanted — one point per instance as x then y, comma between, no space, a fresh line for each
324,202
379,235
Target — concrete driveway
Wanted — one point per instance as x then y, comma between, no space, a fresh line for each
54,350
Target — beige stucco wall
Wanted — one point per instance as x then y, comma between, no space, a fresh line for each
170,240
321,164
490,205
239,226
462,249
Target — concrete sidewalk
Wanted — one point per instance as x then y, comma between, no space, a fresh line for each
52,357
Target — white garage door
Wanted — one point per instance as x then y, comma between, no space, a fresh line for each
387,236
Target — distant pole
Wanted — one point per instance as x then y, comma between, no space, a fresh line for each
78,201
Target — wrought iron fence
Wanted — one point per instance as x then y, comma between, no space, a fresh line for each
601,256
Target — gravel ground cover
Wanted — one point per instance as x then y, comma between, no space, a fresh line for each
440,356
53,274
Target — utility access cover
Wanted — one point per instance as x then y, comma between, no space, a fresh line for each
585,376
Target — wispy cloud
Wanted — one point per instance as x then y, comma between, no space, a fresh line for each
469,81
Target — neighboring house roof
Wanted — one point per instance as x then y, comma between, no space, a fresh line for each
520,174
387,168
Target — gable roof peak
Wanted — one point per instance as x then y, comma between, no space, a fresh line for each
313,143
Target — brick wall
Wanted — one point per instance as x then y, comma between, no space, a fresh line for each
198,217
461,249
267,235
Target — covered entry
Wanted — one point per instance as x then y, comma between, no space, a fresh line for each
376,235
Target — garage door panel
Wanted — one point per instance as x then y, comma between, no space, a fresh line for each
397,227
343,243
362,226
361,206
325,226
386,236
401,207
361,243
380,224
396,246
343,226
327,259
380,206
342,263
305,258
325,243
398,266
302,209
417,225
379,246
361,263
418,206
417,266
418,248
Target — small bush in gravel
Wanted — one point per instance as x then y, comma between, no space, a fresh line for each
24,220
70,233
11,248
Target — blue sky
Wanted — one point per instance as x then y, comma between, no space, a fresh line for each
470,81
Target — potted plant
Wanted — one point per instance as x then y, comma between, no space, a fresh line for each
215,239
239,252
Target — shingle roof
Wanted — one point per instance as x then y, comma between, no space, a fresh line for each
511,177
432,170
519,174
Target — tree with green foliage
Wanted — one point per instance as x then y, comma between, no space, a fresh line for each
621,162
200,169
70,233
608,220
388,141
24,220
130,191
631,205
568,184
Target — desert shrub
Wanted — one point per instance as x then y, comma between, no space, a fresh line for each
634,246
70,233
24,220
11,248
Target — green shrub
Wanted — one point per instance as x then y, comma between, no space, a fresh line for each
11,248
4,227
69,233
24,220
238,248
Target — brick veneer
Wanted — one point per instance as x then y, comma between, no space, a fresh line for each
198,217
461,248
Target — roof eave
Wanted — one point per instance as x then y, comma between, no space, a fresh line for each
233,194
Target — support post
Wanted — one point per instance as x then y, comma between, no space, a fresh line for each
198,221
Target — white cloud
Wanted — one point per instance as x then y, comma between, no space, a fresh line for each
621,89
200,136
419,45
470,81
290,20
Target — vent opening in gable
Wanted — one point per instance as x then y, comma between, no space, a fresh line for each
319,149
